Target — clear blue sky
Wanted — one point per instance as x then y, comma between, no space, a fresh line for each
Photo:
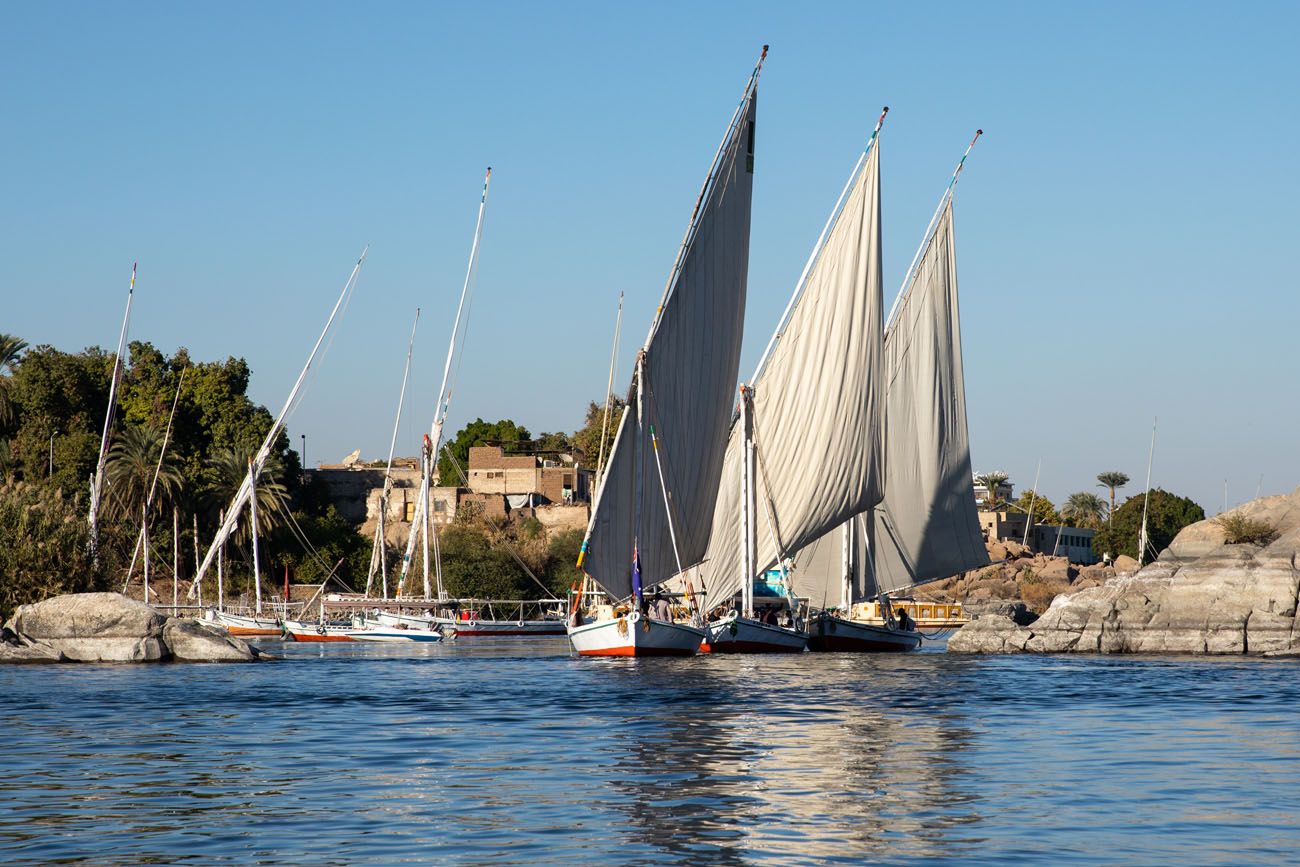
1125,227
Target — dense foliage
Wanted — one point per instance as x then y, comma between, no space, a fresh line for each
1168,514
52,406
43,546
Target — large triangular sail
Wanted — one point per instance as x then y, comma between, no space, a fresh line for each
668,451
817,399
926,528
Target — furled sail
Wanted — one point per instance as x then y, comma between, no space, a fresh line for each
818,400
679,404
926,528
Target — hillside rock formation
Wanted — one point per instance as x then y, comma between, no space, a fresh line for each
1202,595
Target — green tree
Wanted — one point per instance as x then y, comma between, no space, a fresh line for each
588,439
1043,510
60,397
478,433
227,469
473,566
991,482
562,557
129,472
1168,514
1084,509
11,350
1112,480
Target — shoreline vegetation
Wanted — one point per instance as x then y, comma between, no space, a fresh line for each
52,406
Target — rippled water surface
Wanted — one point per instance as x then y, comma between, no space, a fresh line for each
512,752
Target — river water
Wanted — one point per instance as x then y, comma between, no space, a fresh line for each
513,752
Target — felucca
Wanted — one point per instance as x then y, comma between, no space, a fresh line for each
815,399
924,526
652,509
246,496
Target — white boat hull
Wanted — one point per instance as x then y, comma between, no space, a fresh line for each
475,627
635,635
300,631
395,634
735,634
240,624
829,633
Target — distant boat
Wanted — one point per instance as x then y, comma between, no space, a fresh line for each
247,625
652,508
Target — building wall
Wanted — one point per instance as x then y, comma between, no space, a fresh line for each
1003,524
1075,542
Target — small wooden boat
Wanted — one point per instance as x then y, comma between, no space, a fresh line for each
248,624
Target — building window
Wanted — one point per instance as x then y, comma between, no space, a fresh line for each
439,506
410,511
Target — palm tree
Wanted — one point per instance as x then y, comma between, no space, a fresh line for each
227,469
1085,508
1112,479
11,350
991,482
132,462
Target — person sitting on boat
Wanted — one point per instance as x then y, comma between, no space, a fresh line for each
905,621
660,609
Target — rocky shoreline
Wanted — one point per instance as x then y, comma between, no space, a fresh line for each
109,627
1203,595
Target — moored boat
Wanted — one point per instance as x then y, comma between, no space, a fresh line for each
300,630
737,634
634,634
651,514
248,624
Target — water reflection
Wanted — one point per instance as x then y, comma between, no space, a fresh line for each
519,754
815,757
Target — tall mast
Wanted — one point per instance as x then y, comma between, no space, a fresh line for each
444,393
259,460
97,481
252,509
433,441
748,538
1146,497
609,387
377,555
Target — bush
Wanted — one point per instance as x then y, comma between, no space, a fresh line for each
44,546
1239,529
1038,594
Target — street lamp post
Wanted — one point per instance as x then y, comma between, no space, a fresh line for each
304,452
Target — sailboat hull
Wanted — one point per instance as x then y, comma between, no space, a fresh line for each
239,624
635,635
482,628
736,634
829,634
300,631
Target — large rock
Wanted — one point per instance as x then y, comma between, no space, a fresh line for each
15,649
1200,596
109,627
192,641
94,627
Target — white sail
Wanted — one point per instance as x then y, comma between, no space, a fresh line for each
245,492
817,400
685,377
927,528
433,442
